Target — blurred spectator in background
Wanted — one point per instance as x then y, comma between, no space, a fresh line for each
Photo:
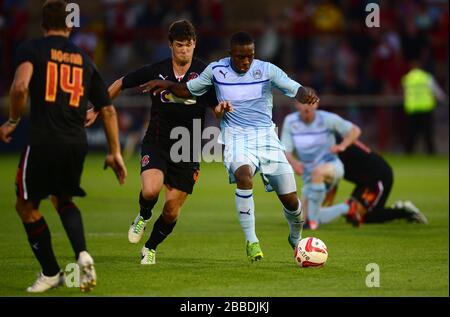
120,22
270,42
178,10
299,16
14,20
420,93
325,43
328,17
208,18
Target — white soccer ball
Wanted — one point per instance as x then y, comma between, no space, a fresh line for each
311,251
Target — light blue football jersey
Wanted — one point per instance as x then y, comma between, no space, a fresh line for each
312,142
250,93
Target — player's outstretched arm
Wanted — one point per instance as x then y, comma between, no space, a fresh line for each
18,97
156,86
306,95
114,158
113,90
348,139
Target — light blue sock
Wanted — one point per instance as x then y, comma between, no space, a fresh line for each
315,197
245,207
328,214
295,221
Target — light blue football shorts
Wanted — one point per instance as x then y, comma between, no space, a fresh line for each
264,154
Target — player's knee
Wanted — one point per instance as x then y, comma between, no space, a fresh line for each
317,175
150,193
26,211
244,180
290,201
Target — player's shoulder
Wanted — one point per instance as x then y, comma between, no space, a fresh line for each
198,63
327,115
197,67
29,46
223,62
292,117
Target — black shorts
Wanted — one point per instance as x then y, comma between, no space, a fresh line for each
50,170
180,176
375,194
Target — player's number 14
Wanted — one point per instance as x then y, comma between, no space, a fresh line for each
74,87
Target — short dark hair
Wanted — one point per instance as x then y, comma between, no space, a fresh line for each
54,15
182,30
241,38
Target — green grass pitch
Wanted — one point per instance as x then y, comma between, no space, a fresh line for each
205,255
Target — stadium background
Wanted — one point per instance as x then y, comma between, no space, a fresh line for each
324,44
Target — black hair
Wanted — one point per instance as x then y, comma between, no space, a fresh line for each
54,15
241,38
182,30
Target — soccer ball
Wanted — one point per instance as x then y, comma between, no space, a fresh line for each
311,251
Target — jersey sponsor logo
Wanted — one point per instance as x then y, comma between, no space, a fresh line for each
145,160
168,97
192,75
162,77
257,74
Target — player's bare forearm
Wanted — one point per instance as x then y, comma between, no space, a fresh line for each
19,90
18,97
347,140
114,158
180,90
157,86
351,137
306,95
109,118
115,88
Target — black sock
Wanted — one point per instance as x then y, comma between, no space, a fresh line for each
160,231
386,214
41,243
146,206
71,219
